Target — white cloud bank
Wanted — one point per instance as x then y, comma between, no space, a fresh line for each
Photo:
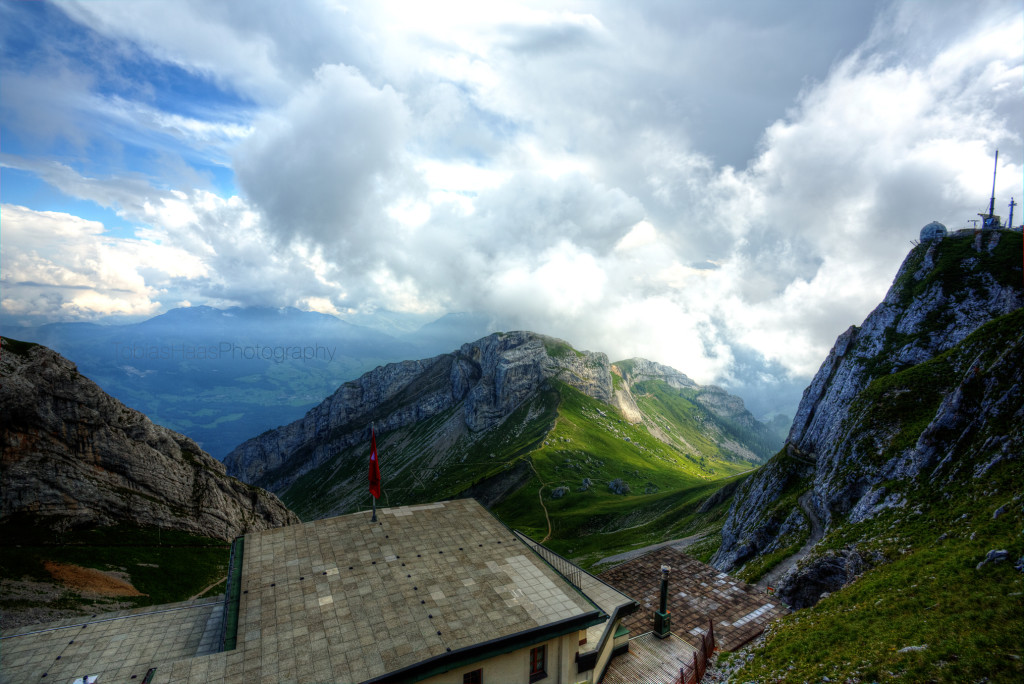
547,168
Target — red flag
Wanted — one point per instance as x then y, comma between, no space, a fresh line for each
374,467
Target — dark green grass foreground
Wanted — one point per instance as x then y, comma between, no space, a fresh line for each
165,565
931,594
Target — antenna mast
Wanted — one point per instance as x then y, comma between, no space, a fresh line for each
992,202
990,220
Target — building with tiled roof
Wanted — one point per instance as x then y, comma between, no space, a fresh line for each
441,592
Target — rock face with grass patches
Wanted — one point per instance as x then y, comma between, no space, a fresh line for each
73,455
910,395
458,424
485,380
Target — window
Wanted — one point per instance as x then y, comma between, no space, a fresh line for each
474,677
538,663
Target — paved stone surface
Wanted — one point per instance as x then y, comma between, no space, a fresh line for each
119,647
679,544
344,599
607,597
697,592
335,600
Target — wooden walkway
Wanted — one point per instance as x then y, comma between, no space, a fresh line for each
650,661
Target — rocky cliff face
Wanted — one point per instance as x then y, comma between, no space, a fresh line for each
638,370
73,454
899,398
458,422
484,380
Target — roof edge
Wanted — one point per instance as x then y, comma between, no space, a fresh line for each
446,662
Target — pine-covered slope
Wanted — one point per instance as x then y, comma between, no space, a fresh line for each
908,448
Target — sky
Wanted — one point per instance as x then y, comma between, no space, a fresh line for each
723,187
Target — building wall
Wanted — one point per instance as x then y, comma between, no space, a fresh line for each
604,656
514,667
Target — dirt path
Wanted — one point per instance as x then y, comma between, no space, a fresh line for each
193,598
540,495
772,578
679,544
90,580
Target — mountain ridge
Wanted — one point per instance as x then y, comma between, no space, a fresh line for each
75,457
492,378
907,446
925,312
511,413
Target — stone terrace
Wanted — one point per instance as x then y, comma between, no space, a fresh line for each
346,600
119,647
696,591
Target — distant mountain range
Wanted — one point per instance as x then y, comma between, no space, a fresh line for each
222,376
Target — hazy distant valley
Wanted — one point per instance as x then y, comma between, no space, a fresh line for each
223,376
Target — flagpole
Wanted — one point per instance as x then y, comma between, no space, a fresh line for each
373,499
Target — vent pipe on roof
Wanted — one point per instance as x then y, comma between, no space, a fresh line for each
662,619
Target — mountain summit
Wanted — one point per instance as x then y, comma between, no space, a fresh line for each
508,413
902,471
842,442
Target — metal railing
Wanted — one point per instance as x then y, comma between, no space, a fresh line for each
232,596
563,566
692,674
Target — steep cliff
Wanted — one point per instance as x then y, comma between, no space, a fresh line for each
486,379
74,456
926,389
463,421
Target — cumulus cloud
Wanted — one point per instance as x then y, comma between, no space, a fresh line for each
55,262
326,165
724,189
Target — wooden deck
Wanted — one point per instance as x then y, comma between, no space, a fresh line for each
650,661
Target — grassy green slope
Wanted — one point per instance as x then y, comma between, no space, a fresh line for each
563,436
695,431
590,441
929,594
165,565
926,589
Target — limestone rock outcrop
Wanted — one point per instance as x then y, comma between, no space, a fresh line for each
486,380
875,413
72,454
